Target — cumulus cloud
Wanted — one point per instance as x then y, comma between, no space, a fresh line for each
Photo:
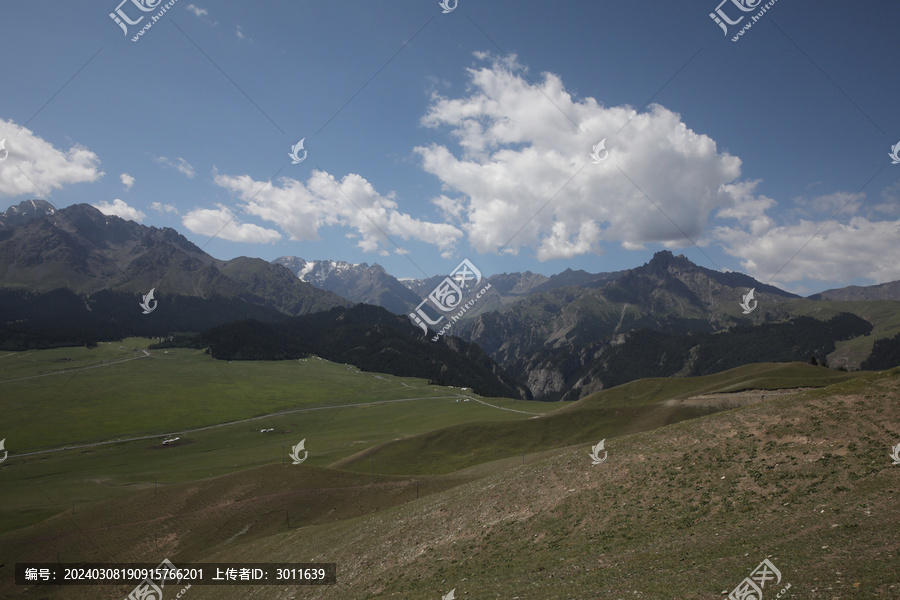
160,207
521,177
127,180
182,165
740,202
524,178
33,166
301,209
120,209
223,223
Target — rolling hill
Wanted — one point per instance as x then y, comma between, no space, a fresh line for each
705,477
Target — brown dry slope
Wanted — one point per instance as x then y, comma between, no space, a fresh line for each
685,511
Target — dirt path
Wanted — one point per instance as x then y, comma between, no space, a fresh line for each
500,407
185,431
67,371
733,399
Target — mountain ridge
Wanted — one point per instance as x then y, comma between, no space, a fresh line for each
355,282
86,251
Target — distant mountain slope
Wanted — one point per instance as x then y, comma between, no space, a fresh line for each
509,288
63,318
355,282
883,291
548,339
366,336
82,249
885,354
505,284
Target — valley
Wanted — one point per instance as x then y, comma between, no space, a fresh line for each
389,454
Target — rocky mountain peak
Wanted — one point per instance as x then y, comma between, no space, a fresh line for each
25,211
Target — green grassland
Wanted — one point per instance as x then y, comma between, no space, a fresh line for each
102,395
72,396
416,492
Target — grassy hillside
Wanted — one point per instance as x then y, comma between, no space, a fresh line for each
223,493
635,406
685,511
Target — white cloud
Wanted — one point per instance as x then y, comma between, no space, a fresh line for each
451,208
120,209
842,251
34,167
891,200
523,157
127,180
813,247
159,207
202,14
239,33
224,224
300,209
843,203
182,165
740,202
522,173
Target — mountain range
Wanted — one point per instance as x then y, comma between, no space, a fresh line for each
575,332
81,249
552,337
355,282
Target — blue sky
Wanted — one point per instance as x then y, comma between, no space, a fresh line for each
468,134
